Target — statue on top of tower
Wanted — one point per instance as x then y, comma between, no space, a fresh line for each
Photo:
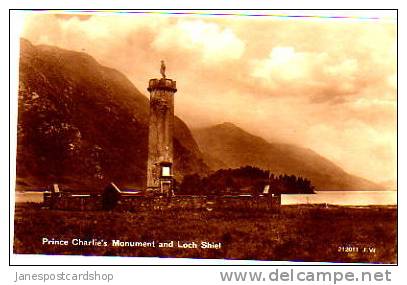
162,69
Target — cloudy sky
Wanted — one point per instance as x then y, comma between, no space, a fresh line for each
329,85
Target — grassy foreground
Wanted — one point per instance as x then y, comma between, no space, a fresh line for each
298,233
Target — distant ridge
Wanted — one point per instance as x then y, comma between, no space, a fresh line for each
228,146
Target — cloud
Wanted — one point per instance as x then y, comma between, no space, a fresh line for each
211,41
314,74
81,17
284,64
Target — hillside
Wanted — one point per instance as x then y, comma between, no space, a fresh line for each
83,124
228,146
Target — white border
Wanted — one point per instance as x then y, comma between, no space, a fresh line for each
181,274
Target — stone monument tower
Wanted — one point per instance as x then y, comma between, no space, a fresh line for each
160,136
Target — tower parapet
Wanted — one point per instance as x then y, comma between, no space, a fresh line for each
162,84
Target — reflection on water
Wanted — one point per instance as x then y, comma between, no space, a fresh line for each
35,197
356,198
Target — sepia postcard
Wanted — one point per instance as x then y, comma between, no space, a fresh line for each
243,135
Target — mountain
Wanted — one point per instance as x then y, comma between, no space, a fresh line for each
83,124
390,184
228,146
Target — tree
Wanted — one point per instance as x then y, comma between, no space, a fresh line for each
226,181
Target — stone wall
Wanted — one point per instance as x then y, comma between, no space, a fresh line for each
145,203
73,202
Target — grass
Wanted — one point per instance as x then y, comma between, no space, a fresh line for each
298,233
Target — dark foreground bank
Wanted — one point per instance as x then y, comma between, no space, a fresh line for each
297,233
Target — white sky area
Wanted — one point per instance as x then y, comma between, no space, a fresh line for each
328,85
